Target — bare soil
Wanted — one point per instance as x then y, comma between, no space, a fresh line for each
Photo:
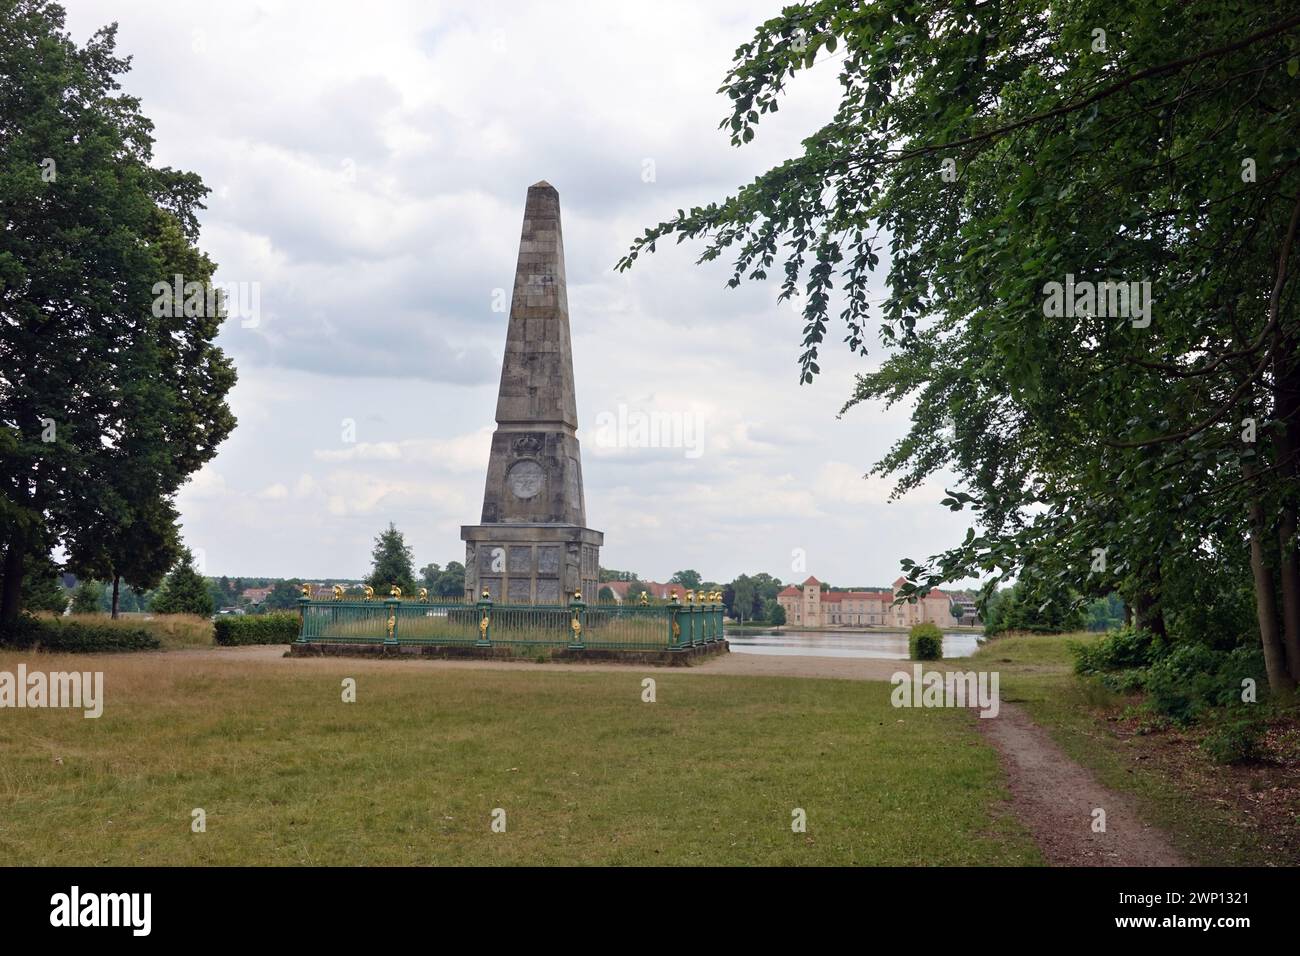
1057,800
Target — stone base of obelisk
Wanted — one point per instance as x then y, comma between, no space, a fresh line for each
531,563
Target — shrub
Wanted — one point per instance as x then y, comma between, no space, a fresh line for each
275,628
1193,678
78,637
172,630
925,642
1235,739
1122,649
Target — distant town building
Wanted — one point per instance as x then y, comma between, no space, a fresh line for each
255,596
621,590
807,605
965,611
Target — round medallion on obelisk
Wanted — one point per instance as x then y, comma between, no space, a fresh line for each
525,479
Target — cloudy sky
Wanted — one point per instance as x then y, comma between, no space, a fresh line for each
368,166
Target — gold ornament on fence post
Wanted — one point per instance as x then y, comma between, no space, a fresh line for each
395,591
370,592
338,592
424,595
306,591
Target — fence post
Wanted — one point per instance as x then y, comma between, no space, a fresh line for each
674,626
484,606
302,620
391,605
578,620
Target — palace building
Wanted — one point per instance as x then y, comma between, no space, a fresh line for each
807,605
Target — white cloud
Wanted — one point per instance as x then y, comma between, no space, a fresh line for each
369,173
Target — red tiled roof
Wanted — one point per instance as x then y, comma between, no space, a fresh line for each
790,591
653,588
812,580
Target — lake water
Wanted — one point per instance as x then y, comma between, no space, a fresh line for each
883,645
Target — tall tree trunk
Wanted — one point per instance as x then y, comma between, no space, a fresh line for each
11,594
1148,610
1279,679
1286,441
116,580
1286,410
1289,567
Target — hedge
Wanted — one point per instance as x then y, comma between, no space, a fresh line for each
77,637
278,628
925,642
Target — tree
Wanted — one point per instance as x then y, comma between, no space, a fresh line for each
444,582
184,591
451,583
284,595
153,547
106,406
773,612
689,579
1120,400
391,563
42,592
745,603
87,597
605,595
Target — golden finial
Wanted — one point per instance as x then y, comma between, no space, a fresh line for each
338,592
644,599
673,595
306,590
424,594
370,592
485,595
717,597
395,591
690,596
577,595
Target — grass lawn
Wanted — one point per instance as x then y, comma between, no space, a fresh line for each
1213,814
411,773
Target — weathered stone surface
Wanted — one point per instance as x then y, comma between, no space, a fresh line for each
533,494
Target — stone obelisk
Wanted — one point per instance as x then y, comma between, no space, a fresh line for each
533,545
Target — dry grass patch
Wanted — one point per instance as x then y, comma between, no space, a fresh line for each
410,774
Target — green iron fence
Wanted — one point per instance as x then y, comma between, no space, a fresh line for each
640,627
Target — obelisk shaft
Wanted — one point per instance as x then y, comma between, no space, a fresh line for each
537,373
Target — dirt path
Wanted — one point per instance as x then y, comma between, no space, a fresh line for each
1056,798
